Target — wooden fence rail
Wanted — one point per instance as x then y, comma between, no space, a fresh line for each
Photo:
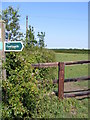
61,80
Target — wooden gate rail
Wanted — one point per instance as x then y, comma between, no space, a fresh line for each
55,64
73,79
61,67
78,94
77,62
44,65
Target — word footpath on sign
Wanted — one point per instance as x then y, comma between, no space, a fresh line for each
13,46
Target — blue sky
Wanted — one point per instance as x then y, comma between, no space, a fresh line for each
64,23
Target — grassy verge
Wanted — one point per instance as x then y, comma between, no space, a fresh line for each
51,107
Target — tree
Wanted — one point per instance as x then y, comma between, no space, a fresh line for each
11,17
30,38
41,39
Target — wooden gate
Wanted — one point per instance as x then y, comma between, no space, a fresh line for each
61,73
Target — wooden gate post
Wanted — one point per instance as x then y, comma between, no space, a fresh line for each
61,80
2,53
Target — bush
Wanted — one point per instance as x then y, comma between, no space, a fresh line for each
24,85
20,93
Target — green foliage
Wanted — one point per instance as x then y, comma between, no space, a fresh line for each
41,39
30,40
25,85
51,107
20,91
11,18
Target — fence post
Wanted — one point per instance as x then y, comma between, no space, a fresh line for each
2,53
61,80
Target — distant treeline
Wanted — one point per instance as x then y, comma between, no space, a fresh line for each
77,51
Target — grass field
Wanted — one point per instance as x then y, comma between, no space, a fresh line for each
75,71
70,57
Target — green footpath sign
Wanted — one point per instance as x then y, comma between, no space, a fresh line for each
13,46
